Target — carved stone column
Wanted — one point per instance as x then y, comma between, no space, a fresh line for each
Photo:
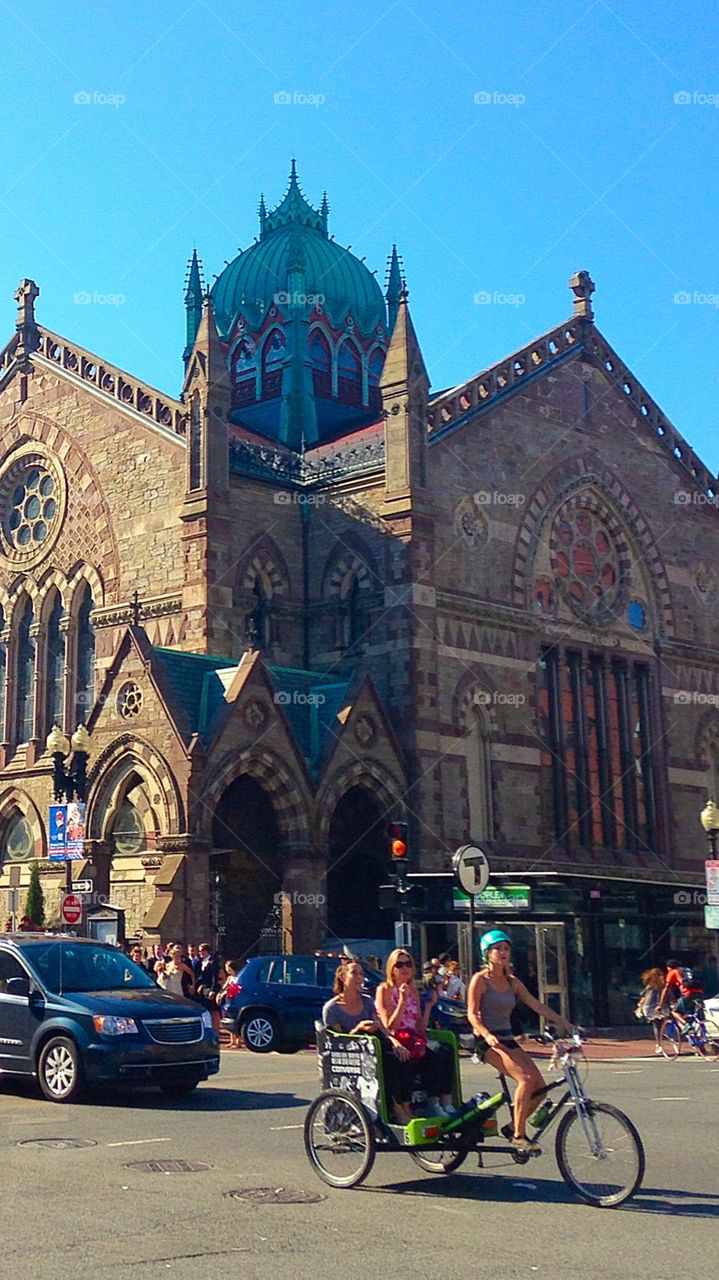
304,903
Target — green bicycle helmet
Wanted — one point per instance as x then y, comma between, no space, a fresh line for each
491,939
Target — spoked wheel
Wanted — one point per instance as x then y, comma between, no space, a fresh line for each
440,1161
710,1049
339,1140
670,1040
605,1164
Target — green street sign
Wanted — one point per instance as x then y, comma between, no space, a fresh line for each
510,897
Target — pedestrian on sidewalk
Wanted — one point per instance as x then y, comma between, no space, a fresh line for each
649,1006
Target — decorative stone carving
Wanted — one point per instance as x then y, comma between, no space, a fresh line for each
365,732
471,524
128,703
33,497
255,714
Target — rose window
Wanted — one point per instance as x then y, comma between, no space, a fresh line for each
586,563
129,701
31,501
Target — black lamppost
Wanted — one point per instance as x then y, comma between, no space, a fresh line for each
710,821
69,783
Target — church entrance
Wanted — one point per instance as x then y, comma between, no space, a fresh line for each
357,867
247,867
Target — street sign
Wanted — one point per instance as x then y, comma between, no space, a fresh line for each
71,909
711,916
82,886
711,867
471,869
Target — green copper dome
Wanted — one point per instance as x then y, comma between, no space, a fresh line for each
294,243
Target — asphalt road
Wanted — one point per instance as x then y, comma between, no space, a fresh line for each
85,1213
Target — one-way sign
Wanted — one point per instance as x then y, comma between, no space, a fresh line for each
82,886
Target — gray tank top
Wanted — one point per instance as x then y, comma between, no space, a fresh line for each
496,1009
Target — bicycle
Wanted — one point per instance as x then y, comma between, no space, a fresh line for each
673,1032
598,1150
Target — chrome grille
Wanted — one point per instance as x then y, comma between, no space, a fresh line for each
174,1030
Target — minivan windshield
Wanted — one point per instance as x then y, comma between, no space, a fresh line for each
67,966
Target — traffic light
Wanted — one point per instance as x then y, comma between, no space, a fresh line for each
398,843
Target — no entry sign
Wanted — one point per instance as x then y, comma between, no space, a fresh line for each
71,909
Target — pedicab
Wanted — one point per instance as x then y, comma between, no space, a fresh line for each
598,1150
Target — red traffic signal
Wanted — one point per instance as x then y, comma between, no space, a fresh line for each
398,841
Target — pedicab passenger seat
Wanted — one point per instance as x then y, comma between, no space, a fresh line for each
352,1063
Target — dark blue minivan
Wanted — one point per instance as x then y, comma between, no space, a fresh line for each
76,1013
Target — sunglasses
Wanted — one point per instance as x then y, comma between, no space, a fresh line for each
403,964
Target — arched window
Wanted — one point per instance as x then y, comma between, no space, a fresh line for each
18,844
258,620
54,667
479,793
195,444
275,349
349,364
3,669
85,681
25,706
376,365
320,351
350,624
128,830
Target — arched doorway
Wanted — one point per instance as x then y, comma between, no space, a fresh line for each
356,868
248,868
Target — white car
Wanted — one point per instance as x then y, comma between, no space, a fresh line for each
711,1011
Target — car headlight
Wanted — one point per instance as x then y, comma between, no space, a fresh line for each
106,1025
207,1019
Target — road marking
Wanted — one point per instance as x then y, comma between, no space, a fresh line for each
633,1071
137,1142
278,1128
678,1099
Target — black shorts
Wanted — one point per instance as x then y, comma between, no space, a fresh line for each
481,1047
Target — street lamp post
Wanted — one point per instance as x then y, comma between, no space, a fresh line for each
69,783
709,819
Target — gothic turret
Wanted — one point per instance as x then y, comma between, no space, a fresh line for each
194,292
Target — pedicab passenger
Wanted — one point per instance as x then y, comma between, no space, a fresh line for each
399,1009
351,1012
492,996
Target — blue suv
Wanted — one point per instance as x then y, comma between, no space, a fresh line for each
281,997
75,1013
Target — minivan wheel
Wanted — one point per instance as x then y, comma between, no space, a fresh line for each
260,1032
60,1070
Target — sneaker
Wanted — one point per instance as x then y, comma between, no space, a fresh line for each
449,1109
433,1111
659,1051
525,1144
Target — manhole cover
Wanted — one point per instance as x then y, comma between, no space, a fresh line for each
168,1166
63,1144
275,1195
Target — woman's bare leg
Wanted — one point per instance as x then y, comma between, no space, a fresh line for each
530,1085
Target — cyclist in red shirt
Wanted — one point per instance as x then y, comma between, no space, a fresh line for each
684,997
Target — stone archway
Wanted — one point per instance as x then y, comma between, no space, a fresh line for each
357,866
247,866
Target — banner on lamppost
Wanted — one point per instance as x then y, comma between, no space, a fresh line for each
711,867
66,831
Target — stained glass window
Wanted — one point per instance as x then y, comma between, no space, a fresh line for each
85,684
25,714
54,667
18,844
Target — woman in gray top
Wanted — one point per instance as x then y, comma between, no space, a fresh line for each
493,993
352,1011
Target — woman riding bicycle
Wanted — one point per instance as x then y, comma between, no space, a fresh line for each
493,994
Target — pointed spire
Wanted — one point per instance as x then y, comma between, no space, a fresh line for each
194,290
263,216
324,211
294,207
395,286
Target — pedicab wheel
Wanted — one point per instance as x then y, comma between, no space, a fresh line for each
611,1172
670,1040
442,1162
339,1140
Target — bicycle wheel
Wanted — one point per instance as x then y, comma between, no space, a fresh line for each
339,1140
441,1162
611,1176
670,1039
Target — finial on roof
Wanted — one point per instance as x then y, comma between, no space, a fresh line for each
27,330
194,286
582,287
324,211
263,215
395,286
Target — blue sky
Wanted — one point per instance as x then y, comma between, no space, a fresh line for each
576,156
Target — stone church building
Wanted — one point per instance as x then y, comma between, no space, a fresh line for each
311,594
